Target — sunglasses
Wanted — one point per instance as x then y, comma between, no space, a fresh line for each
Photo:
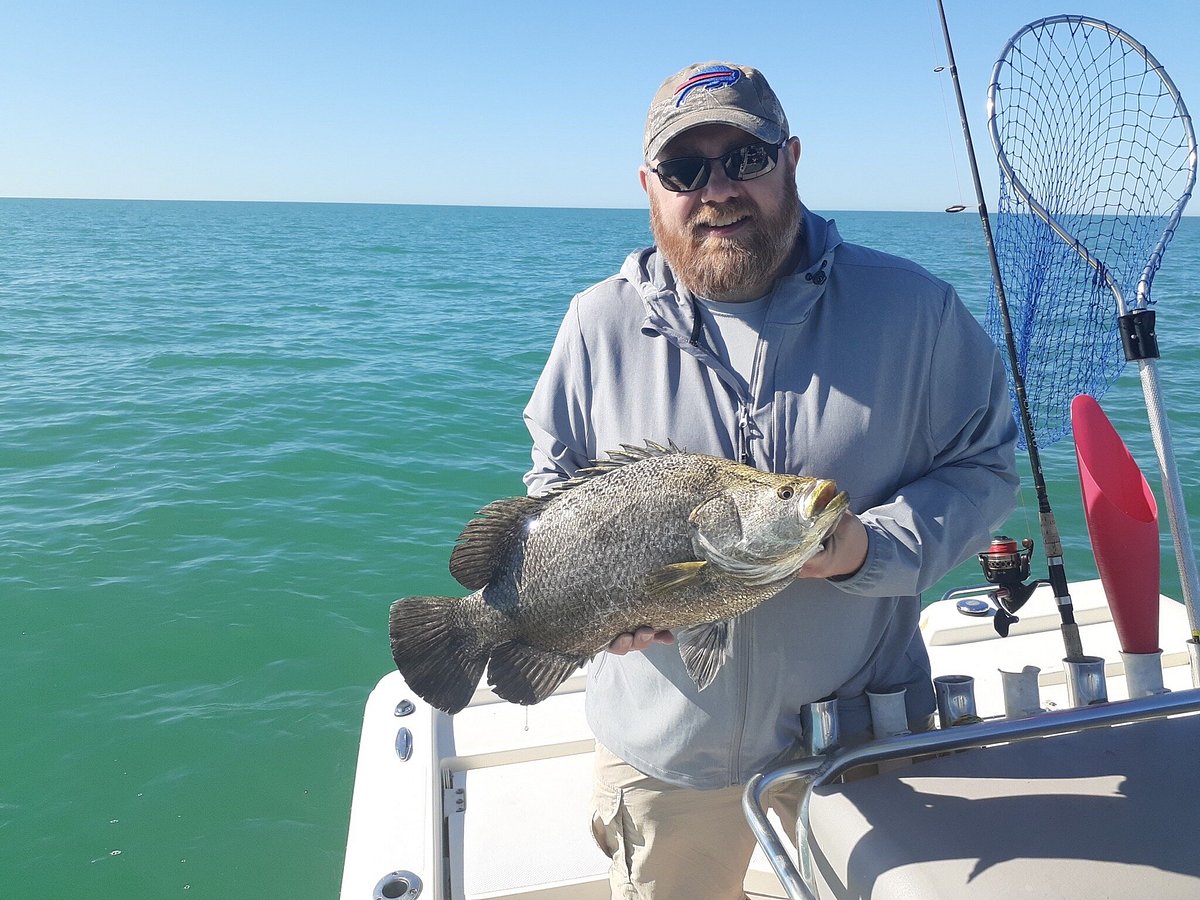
690,173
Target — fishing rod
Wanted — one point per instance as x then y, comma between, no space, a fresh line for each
1003,564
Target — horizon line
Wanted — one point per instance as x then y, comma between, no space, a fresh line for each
830,209
641,208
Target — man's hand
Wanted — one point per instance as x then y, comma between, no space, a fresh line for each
639,640
845,551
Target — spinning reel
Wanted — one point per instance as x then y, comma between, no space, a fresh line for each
1007,567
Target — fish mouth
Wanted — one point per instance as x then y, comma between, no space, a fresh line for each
823,494
825,509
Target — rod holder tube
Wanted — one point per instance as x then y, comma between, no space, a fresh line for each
955,700
820,723
1193,648
1022,698
889,716
1143,674
1085,681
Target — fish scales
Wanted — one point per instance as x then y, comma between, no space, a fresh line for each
592,549
652,536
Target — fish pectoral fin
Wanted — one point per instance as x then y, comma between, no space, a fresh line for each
522,674
674,576
704,649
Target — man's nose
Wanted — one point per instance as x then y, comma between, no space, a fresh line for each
720,186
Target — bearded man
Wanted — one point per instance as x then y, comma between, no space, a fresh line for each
753,331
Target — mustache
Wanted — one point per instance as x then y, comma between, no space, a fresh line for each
711,213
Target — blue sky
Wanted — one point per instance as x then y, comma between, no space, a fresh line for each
465,102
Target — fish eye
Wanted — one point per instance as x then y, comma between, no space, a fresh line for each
786,493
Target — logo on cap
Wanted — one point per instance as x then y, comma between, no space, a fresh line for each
710,79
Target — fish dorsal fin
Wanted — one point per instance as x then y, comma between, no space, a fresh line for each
484,543
616,459
704,649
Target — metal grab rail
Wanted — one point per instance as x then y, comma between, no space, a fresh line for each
821,770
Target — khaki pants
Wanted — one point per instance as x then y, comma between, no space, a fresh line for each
673,843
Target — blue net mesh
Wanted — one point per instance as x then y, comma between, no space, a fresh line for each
1095,134
1063,319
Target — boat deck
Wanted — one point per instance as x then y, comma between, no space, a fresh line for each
510,785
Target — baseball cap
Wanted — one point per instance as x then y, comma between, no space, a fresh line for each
713,93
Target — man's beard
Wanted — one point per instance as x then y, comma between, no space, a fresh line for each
724,268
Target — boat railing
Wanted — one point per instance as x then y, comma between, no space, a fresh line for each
826,768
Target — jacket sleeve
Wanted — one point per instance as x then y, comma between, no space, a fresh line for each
556,414
936,521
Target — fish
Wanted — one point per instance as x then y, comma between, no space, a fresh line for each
648,535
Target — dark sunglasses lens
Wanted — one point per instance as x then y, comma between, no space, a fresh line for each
689,173
750,161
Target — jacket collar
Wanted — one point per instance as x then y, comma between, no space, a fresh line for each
670,307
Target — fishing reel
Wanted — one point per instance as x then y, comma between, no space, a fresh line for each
1007,567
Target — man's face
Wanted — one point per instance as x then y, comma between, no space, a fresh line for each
728,240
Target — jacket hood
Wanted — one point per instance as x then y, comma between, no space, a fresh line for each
669,306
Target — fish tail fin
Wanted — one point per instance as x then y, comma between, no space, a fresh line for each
436,650
522,674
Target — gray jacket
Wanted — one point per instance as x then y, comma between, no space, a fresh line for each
869,371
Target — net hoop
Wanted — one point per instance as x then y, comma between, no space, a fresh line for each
995,104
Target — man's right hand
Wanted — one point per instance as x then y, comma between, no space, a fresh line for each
639,640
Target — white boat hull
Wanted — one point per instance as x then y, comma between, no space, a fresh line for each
494,801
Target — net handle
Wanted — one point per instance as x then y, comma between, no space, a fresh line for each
1152,264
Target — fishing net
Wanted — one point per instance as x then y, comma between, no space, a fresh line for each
1097,159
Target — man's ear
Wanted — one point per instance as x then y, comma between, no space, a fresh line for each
643,174
793,147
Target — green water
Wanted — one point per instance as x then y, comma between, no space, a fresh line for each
231,434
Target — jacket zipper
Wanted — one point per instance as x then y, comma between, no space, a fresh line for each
743,433
742,639
742,440
742,426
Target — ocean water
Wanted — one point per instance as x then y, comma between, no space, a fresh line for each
232,434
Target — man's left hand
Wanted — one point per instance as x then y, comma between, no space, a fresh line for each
845,551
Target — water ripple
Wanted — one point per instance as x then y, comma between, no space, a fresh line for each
233,433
